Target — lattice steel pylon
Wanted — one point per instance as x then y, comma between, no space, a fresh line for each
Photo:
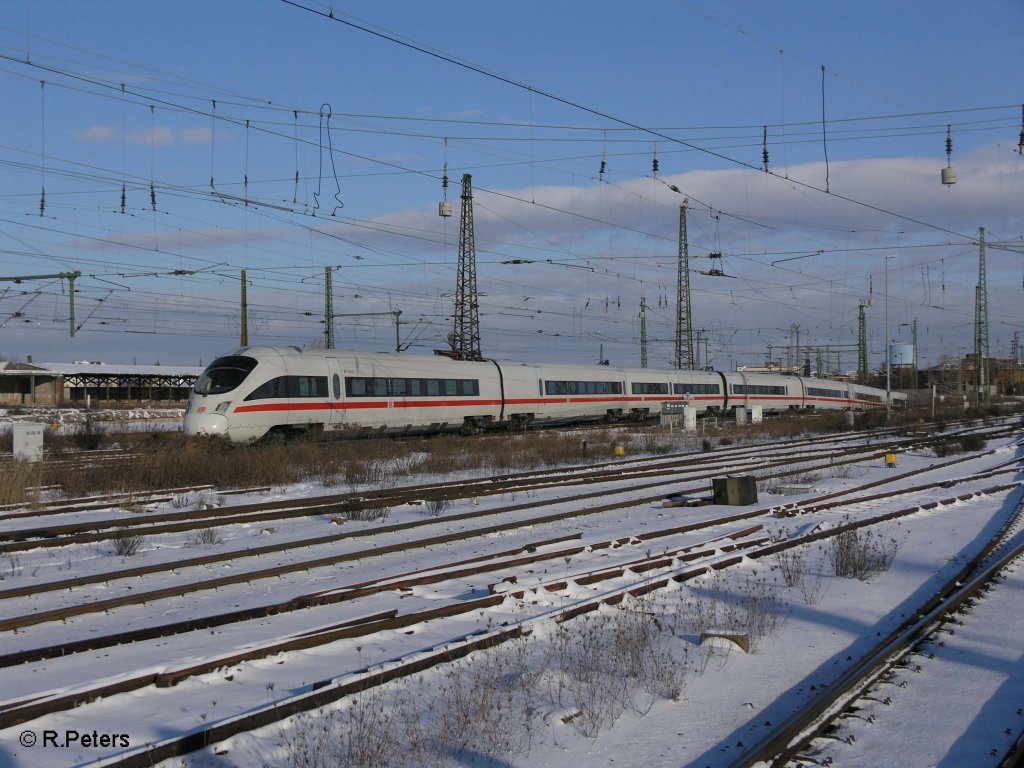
684,322
328,309
465,338
981,324
643,333
862,346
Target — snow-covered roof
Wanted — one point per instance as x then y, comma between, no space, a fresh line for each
102,369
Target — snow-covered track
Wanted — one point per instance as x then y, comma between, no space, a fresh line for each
826,730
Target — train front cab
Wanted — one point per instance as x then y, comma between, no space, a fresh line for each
209,404
262,391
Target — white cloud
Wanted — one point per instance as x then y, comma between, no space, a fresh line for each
157,136
196,136
99,133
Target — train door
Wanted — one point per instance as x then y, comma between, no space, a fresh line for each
797,394
336,394
737,393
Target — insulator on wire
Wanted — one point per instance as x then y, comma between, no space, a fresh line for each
124,197
444,208
42,202
654,162
1020,141
152,195
949,172
764,149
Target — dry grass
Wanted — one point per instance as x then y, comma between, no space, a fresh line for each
20,482
165,460
492,707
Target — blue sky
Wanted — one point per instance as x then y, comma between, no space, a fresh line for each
529,98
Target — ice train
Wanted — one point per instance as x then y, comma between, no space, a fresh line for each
258,391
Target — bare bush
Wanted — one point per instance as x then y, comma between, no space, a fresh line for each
791,562
127,543
485,704
813,587
859,553
205,537
367,513
973,442
360,734
437,507
752,606
190,500
488,706
616,659
89,435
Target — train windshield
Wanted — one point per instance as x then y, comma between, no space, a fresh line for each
224,374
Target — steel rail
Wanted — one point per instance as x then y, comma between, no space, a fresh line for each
795,733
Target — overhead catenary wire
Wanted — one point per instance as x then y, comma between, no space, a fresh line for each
599,113
247,196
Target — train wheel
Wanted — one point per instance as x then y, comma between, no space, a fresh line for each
470,426
519,422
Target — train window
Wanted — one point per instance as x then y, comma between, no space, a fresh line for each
378,387
758,389
695,389
868,397
290,386
337,387
583,387
307,386
819,392
269,389
224,374
358,386
649,388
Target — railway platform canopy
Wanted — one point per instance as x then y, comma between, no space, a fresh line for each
85,382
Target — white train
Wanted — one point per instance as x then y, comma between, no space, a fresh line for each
256,391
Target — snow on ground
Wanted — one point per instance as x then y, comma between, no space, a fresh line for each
728,697
66,421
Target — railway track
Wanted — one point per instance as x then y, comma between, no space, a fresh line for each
741,459
825,731
528,563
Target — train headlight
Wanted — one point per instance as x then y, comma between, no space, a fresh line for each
223,407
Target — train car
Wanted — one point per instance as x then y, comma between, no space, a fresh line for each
822,394
706,391
258,391
773,393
